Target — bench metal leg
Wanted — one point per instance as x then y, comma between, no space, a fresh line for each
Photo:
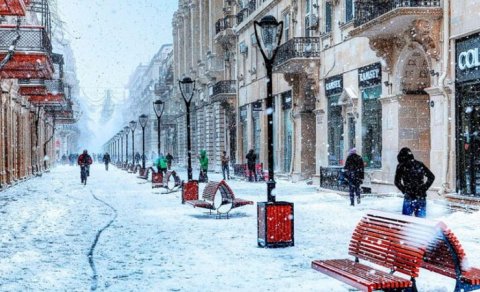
463,287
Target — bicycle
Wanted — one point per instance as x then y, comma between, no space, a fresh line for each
83,174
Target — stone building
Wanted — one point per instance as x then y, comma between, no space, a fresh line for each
33,101
141,95
205,51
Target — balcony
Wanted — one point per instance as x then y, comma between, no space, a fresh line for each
30,87
13,7
31,57
246,11
297,54
63,114
223,29
392,16
54,93
223,90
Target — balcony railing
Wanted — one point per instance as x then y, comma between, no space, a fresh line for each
31,39
299,47
224,87
367,10
55,87
225,23
246,11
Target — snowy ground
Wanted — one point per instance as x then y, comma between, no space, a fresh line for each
148,241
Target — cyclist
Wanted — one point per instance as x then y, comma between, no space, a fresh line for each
84,160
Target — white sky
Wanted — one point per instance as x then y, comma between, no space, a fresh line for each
111,37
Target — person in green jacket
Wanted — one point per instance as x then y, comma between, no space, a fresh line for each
161,164
203,177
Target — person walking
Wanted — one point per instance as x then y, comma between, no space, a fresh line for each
410,179
84,160
203,176
169,158
106,160
354,170
225,168
251,160
161,164
137,158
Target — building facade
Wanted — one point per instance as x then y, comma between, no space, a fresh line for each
205,51
33,101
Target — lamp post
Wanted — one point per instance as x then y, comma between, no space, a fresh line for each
187,89
158,107
120,134
126,130
274,224
133,126
143,119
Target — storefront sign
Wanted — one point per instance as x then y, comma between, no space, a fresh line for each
334,85
468,58
257,106
370,75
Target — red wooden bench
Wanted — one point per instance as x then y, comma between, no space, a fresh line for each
403,245
170,181
261,174
218,196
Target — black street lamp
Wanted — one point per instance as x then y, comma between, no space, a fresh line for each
133,126
187,89
143,119
126,130
158,107
269,34
120,134
269,41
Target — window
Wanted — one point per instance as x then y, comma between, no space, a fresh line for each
286,26
335,131
372,126
349,10
328,17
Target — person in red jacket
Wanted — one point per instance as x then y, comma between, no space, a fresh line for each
85,160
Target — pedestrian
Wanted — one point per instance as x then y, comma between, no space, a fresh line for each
161,164
410,180
354,170
85,160
251,160
137,158
169,158
203,176
225,168
106,160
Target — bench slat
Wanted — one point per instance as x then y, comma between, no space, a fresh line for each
360,276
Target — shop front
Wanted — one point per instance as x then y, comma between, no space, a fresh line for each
467,87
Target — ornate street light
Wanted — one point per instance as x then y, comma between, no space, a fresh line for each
120,135
126,130
187,89
133,126
143,119
158,107
269,41
269,34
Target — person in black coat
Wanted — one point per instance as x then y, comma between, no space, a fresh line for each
354,170
410,180
106,160
251,159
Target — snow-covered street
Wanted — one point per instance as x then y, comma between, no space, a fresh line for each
149,241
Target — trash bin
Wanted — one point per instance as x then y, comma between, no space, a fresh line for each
190,191
275,224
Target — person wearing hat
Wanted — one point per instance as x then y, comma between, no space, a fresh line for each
410,180
354,170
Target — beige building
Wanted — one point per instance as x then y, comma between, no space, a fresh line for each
204,50
374,75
